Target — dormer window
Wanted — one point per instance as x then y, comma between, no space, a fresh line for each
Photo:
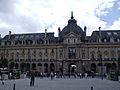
109,33
118,40
22,36
31,36
68,41
27,36
111,40
16,37
46,41
37,36
115,33
105,40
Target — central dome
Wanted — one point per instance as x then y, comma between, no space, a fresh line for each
72,27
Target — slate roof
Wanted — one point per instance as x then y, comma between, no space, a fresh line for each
30,36
72,26
105,34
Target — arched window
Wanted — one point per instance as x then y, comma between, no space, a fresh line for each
40,54
61,53
52,53
99,55
118,54
92,55
17,54
46,53
23,53
34,53
106,55
112,55
12,55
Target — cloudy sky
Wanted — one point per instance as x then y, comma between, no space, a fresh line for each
33,16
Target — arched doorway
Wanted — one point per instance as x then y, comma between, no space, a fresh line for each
28,67
23,67
93,67
45,68
99,64
33,66
100,69
40,67
52,67
16,66
72,68
108,67
114,66
11,65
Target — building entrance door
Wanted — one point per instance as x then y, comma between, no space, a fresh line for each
72,68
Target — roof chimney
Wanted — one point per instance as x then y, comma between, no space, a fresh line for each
72,15
10,34
99,34
45,33
85,28
59,30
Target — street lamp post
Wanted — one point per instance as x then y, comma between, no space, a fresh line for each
101,69
100,54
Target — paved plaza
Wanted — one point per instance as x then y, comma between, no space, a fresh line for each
61,84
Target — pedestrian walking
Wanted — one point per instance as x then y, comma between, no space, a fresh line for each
2,79
51,75
86,75
80,75
32,79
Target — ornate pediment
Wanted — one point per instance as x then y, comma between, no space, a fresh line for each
71,35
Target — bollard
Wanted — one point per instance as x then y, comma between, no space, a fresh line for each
14,86
92,88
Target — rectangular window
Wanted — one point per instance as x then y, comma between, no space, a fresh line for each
72,52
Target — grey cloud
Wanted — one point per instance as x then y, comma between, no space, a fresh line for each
6,6
29,24
18,22
4,31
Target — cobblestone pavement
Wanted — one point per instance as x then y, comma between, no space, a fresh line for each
61,84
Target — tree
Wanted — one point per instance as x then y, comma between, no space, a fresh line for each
11,65
3,63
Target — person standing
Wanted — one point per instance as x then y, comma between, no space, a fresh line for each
86,75
32,79
51,75
80,75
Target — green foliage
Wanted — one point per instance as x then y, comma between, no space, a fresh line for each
11,65
3,63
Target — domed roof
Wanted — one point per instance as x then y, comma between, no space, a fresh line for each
72,27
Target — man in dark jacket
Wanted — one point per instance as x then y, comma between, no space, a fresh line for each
32,79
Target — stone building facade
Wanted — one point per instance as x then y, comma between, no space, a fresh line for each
71,52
